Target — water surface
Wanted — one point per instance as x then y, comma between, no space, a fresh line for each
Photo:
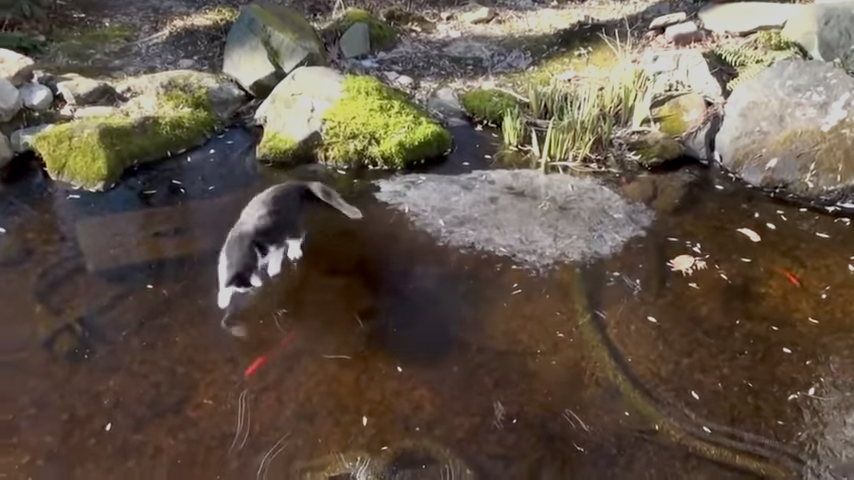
420,357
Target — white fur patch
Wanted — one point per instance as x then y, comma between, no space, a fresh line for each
294,248
223,298
274,261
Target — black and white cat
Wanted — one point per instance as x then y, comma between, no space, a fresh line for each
269,228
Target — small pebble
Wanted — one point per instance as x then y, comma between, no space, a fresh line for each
786,350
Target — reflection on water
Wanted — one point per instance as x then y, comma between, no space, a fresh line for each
404,357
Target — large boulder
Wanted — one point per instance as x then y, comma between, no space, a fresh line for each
266,43
792,128
14,67
346,121
824,30
167,113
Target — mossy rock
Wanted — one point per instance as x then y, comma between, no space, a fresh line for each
676,115
383,36
488,105
92,153
654,148
277,148
375,125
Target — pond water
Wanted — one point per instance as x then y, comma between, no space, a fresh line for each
390,353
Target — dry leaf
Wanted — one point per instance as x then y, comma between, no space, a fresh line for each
749,234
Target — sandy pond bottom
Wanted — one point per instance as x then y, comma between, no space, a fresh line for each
412,358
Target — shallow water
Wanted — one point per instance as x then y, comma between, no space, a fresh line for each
117,367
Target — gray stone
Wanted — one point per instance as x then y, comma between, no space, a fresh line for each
14,67
475,14
22,139
266,43
825,31
746,17
665,21
95,111
356,41
682,70
224,95
10,101
186,64
404,80
683,33
792,128
295,108
6,152
533,218
36,97
446,103
78,90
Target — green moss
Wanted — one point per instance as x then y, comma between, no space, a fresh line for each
655,148
670,120
93,152
375,125
383,35
78,42
278,148
580,51
488,105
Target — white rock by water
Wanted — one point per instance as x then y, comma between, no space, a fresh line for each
10,100
14,67
36,97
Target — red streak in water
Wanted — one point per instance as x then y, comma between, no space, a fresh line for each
791,276
256,364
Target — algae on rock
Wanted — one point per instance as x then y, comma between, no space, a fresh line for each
383,36
348,121
488,105
92,153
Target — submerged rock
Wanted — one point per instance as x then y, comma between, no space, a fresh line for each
791,128
266,43
167,112
537,219
347,121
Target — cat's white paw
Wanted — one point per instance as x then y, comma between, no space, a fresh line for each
274,268
223,298
255,280
294,249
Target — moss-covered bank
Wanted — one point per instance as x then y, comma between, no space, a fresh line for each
92,153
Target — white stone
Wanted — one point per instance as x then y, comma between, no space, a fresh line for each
10,100
36,97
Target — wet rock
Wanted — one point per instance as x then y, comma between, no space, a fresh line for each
663,192
22,139
223,95
530,217
356,41
683,33
266,43
475,14
10,101
746,17
6,152
36,97
791,128
681,70
664,21
78,90
95,111
698,143
825,31
653,148
686,117
14,67
346,121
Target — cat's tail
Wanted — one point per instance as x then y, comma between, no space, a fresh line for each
332,198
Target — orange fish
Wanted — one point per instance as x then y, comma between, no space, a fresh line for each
791,276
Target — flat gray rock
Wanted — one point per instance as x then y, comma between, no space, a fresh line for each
681,70
536,219
356,41
825,31
746,17
791,128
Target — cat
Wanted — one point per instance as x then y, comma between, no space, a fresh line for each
269,228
